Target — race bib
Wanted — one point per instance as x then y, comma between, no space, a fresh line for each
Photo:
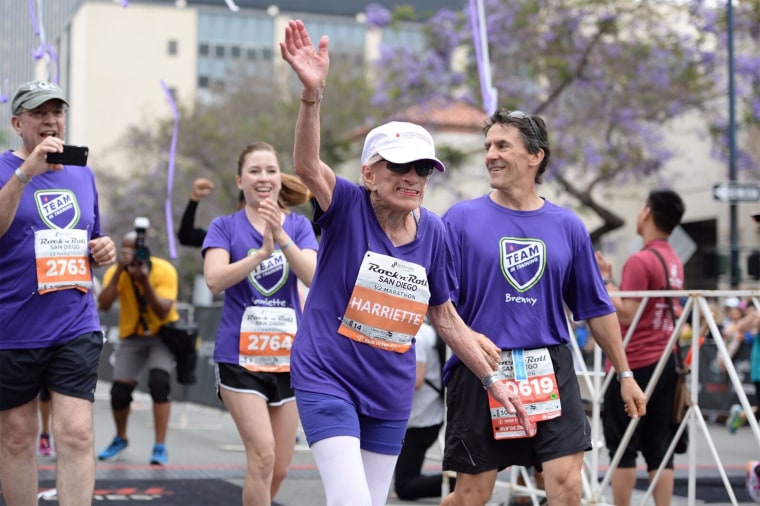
388,304
266,338
530,375
62,260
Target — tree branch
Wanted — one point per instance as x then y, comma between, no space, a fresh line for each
611,221
572,77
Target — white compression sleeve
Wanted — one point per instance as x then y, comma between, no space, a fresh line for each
350,476
340,467
379,470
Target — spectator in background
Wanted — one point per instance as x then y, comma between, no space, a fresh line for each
655,267
747,327
732,328
51,336
425,422
585,342
147,291
189,234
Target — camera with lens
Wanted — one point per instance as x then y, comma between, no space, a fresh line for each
142,253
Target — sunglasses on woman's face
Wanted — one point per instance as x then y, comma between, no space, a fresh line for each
423,167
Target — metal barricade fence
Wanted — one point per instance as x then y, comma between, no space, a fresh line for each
594,381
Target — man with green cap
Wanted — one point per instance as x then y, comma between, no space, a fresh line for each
50,237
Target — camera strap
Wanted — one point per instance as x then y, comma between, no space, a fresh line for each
142,306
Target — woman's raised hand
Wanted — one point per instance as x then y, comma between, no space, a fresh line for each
310,64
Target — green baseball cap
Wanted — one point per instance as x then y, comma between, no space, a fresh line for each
35,93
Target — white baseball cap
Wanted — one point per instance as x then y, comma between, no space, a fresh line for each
400,142
732,302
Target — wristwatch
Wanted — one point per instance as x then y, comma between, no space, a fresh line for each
624,374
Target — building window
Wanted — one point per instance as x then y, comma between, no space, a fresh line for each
251,54
171,47
235,52
266,54
202,81
220,51
203,50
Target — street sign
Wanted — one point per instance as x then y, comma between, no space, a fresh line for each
733,191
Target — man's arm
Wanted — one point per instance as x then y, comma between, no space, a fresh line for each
160,306
34,164
10,197
188,235
625,308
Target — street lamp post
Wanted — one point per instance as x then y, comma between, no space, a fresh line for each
734,263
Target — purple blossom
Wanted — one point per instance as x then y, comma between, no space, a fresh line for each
378,16
606,78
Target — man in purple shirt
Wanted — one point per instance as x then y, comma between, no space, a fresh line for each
519,261
49,238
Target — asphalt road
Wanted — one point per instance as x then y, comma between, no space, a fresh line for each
203,443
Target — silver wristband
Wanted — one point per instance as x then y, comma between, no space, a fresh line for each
624,374
489,380
21,177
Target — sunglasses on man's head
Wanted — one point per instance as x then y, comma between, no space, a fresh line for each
423,167
522,115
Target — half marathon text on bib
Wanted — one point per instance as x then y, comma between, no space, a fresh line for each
529,374
388,304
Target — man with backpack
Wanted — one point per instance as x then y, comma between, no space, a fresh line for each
655,267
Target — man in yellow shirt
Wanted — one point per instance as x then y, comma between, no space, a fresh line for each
146,287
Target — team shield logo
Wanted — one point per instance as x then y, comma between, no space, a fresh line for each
269,276
59,209
522,261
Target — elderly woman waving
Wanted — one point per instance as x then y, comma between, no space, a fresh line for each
381,267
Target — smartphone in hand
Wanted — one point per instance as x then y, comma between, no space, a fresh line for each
71,155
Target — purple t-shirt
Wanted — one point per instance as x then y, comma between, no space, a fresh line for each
276,286
379,383
52,200
516,270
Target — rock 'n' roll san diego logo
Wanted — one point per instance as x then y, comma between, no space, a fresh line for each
59,209
522,261
269,275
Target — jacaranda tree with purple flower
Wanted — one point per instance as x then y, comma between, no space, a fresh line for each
607,76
